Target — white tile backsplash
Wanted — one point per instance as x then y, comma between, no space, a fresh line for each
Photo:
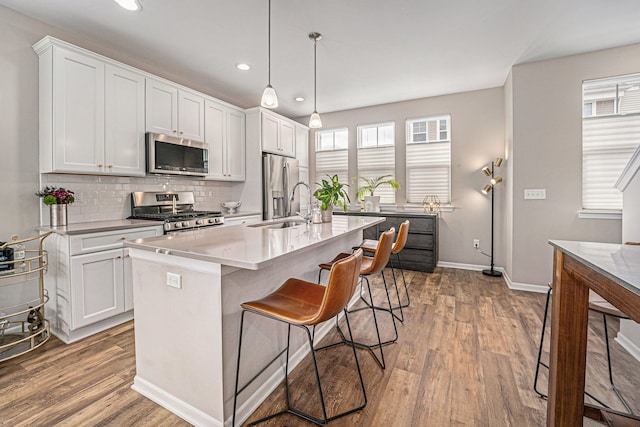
105,198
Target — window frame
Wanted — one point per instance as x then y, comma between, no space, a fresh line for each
594,211
410,141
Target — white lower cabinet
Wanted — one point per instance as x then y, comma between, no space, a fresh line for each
97,286
89,281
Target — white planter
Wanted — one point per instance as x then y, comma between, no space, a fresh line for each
372,203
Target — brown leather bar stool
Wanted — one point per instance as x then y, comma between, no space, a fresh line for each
369,247
599,305
303,304
370,266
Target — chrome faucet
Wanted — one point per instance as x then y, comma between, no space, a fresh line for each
307,217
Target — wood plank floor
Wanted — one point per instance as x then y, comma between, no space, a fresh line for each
465,356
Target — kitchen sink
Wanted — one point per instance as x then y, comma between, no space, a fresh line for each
280,223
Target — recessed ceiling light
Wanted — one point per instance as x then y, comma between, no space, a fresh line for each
243,67
132,5
298,99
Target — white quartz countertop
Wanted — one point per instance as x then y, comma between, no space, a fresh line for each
250,247
620,263
99,226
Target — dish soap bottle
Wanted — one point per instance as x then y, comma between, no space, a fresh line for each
316,214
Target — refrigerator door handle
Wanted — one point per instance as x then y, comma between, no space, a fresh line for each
287,210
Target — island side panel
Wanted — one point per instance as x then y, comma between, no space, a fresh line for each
178,335
263,338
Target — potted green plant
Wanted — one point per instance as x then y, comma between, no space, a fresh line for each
57,199
331,192
366,191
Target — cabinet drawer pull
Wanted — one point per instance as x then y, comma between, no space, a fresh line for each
123,238
118,257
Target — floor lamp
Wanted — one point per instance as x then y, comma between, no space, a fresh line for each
490,188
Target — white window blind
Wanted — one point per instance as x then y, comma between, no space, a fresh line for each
332,155
610,135
429,158
376,156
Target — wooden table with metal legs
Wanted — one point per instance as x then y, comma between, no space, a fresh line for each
611,270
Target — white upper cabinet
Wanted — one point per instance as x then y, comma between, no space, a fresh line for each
277,134
173,111
162,108
124,121
302,145
78,113
190,116
91,113
225,135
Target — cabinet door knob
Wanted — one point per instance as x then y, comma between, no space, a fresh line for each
181,133
175,131
100,165
118,257
123,238
110,166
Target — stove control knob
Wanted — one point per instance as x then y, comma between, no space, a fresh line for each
177,225
212,220
185,224
199,222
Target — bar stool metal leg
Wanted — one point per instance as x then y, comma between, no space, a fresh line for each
406,289
613,386
540,363
371,347
289,409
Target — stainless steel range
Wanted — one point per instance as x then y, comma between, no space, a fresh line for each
175,209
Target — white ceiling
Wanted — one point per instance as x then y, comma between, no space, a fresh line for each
372,51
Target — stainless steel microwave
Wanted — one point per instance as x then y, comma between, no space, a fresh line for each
168,155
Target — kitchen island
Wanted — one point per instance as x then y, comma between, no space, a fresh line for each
188,288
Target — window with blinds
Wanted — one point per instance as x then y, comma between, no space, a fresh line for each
376,156
610,135
332,154
429,158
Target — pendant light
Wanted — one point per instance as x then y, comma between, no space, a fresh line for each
314,120
269,97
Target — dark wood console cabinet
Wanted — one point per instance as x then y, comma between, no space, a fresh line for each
421,251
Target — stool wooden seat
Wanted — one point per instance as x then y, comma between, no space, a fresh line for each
369,247
370,266
302,304
599,305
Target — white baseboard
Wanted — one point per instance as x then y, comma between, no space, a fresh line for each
69,337
179,407
628,345
460,266
510,284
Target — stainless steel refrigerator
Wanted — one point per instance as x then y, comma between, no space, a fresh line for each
279,175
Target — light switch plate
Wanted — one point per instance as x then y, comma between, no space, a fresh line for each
535,193
174,280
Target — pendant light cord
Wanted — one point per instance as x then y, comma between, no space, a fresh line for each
269,42
315,78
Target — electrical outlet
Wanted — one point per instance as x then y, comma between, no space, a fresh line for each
174,280
535,194
476,243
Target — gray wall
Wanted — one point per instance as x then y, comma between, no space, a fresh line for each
18,124
477,130
547,153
